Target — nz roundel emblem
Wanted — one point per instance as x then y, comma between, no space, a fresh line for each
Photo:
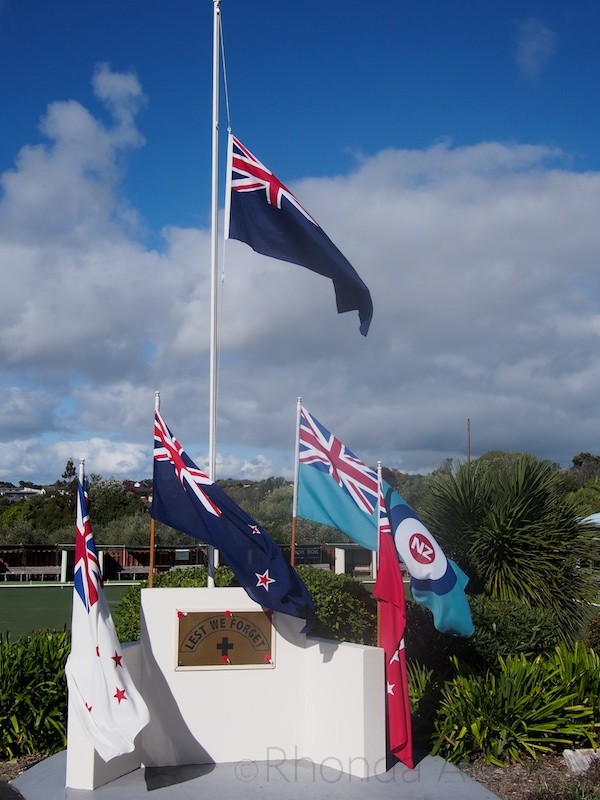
421,548
418,549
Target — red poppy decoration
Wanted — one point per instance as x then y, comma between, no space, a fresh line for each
181,614
268,659
269,612
229,614
225,660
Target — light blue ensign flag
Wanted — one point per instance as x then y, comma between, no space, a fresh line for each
336,488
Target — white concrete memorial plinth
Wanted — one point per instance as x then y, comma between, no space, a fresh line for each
319,700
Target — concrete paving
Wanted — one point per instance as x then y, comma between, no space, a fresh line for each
432,779
8,792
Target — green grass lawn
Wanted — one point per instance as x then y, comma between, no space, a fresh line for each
25,608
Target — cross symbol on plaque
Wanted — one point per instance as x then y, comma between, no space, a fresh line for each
225,646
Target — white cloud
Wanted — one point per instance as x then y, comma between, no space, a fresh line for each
106,456
482,264
536,45
122,94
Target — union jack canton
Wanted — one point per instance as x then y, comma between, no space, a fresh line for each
250,175
320,449
167,448
87,577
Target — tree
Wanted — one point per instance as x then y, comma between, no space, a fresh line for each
586,467
15,524
410,487
69,472
587,499
514,531
249,494
275,515
49,513
132,531
109,501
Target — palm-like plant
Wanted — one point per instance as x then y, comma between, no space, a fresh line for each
516,533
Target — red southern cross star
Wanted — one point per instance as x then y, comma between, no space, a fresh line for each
255,529
264,580
119,695
117,659
89,708
98,650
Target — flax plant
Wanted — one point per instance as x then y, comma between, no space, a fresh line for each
516,533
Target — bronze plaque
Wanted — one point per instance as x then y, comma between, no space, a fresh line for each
224,639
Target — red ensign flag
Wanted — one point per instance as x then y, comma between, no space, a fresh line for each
389,590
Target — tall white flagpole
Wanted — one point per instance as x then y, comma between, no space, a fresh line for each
296,475
214,254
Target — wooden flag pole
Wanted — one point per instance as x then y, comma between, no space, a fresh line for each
151,564
379,495
152,523
293,547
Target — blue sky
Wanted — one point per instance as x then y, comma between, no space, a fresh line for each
451,151
313,84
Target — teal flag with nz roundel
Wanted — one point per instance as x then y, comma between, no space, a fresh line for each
336,488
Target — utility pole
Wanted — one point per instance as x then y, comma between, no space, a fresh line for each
468,441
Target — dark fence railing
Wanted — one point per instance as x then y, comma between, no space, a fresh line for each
118,558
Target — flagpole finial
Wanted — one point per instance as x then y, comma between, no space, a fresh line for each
156,401
81,469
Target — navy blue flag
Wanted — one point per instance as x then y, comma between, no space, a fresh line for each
264,214
184,498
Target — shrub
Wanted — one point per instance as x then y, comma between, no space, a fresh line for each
529,707
33,694
506,520
578,668
592,638
504,628
424,687
424,643
345,609
195,576
420,679
127,614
